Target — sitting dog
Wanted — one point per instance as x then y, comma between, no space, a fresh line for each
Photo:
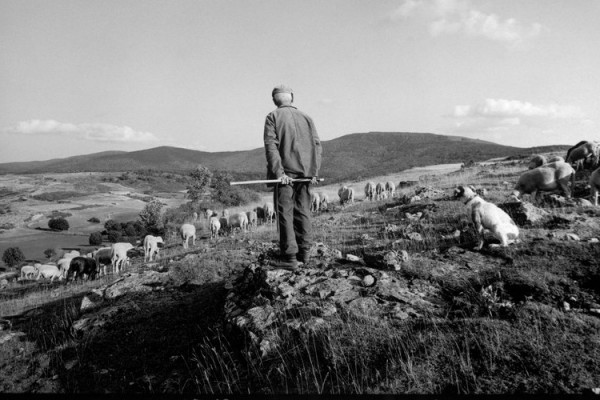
488,216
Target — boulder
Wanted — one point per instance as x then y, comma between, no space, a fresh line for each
523,213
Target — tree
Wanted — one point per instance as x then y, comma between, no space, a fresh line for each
95,239
58,224
13,256
151,216
49,253
114,236
112,225
200,180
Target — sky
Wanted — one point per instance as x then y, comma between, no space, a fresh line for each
83,76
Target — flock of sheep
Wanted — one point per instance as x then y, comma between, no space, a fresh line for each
543,175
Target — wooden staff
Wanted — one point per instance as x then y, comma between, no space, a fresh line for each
273,181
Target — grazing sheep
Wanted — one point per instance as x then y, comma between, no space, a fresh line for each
225,213
269,212
208,213
588,152
260,214
379,191
346,195
63,265
48,271
118,255
370,191
390,189
324,199
238,220
188,231
549,177
151,246
537,161
595,185
81,266
215,226
315,201
28,272
555,159
224,225
252,219
488,216
103,256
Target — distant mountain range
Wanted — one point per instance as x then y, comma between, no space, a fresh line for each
354,156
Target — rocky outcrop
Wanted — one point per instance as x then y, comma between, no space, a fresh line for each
524,213
264,301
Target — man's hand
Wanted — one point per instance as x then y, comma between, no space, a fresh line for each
314,181
285,180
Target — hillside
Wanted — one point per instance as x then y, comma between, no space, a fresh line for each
354,156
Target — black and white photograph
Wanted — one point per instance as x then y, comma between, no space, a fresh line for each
267,198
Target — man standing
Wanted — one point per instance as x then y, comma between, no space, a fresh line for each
293,151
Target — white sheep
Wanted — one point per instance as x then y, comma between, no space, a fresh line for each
28,272
252,219
324,200
238,220
48,271
151,246
63,265
595,185
118,255
269,212
370,191
555,159
188,231
380,191
315,201
215,226
103,257
549,177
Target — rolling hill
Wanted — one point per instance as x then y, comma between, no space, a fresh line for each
353,156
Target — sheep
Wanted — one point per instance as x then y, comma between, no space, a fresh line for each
346,195
314,201
188,231
260,214
238,220
549,177
595,185
324,200
379,191
28,272
63,265
82,266
151,246
224,222
215,226
225,213
252,219
370,191
390,189
537,161
195,216
118,255
71,254
269,212
102,256
48,271
584,155
209,213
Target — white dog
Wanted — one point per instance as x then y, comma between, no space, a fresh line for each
488,216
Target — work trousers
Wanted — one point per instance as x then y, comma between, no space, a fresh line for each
292,204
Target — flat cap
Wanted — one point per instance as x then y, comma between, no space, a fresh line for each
281,89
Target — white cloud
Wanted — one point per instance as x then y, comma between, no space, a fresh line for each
458,16
501,108
95,132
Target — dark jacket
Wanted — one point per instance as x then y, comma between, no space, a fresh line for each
291,144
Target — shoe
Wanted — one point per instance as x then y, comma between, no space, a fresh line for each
286,263
303,258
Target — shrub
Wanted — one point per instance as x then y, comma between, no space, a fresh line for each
151,217
130,230
94,220
95,239
49,253
13,256
114,236
58,224
112,225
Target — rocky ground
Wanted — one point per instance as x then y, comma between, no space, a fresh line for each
393,300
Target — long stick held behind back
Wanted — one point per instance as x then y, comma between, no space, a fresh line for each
272,181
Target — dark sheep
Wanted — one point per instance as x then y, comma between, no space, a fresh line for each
82,266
